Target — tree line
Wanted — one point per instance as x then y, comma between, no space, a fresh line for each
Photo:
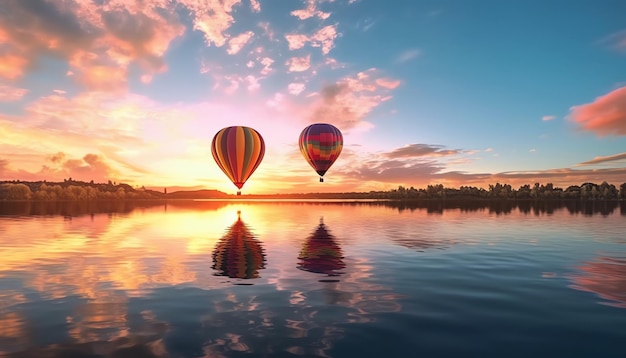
585,191
71,190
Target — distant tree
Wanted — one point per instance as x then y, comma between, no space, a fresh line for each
17,191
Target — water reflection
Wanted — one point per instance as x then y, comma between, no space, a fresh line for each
321,253
143,284
238,254
499,207
504,207
606,277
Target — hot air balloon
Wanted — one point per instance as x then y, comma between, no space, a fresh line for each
238,151
321,144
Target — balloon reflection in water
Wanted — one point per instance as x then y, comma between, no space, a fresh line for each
321,253
606,277
238,254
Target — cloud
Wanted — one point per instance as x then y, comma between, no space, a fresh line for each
296,88
604,116
267,65
547,118
408,55
420,150
89,167
253,83
365,24
236,43
12,66
11,94
310,11
229,84
299,64
95,38
394,171
212,18
255,6
616,40
296,41
324,38
349,100
388,83
604,159
389,173
333,63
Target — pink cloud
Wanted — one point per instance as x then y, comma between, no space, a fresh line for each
310,11
324,38
604,116
89,167
229,84
267,31
253,83
296,88
10,94
93,37
12,66
267,65
299,64
348,101
212,17
236,43
296,41
333,63
604,159
547,118
388,83
255,6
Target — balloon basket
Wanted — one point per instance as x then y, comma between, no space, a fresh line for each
321,180
238,192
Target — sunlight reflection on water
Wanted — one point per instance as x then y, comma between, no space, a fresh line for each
212,278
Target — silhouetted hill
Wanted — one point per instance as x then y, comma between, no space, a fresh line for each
198,194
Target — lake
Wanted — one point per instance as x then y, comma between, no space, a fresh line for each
312,279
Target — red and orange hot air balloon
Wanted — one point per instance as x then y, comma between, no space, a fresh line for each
321,144
238,151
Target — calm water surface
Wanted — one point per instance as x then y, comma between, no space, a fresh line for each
287,279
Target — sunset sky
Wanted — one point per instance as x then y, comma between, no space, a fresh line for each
425,92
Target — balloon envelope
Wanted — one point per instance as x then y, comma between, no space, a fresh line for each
238,151
321,144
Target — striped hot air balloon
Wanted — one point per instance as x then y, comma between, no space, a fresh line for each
321,144
238,151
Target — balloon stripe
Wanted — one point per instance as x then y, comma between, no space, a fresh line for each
240,142
238,151
320,145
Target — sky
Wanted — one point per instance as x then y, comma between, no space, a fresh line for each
425,92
